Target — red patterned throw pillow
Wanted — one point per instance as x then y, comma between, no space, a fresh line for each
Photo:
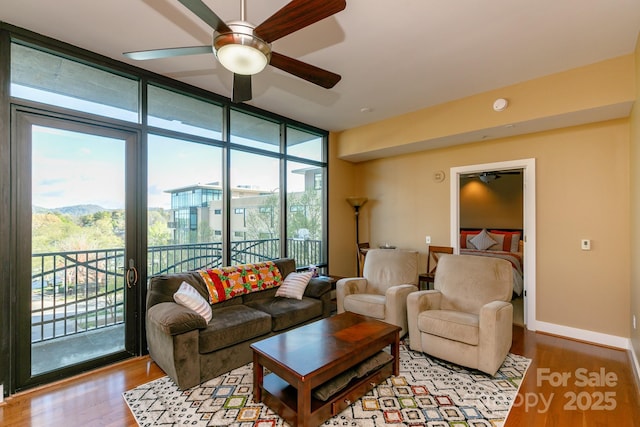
227,282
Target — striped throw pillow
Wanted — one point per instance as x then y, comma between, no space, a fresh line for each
190,298
483,241
294,285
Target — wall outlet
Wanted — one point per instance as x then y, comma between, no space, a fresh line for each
585,244
427,239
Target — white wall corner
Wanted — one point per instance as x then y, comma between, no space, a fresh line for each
584,335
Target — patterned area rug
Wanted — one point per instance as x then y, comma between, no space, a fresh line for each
428,392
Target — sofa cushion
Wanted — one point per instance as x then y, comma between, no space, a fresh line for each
452,325
231,325
162,287
366,304
285,265
288,312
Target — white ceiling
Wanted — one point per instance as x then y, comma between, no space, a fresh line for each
394,57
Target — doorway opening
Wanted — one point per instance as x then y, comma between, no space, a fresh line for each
488,171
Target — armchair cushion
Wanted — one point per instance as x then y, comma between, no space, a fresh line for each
366,304
453,325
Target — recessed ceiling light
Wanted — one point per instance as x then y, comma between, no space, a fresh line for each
366,110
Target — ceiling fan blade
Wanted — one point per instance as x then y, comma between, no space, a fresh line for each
241,88
296,15
305,71
203,12
142,55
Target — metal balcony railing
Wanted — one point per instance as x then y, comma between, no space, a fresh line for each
78,291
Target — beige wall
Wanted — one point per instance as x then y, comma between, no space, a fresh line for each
635,208
583,186
496,204
343,182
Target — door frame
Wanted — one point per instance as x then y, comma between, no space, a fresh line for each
21,157
528,167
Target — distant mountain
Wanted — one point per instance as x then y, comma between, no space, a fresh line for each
77,210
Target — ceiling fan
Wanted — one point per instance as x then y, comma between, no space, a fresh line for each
487,177
245,49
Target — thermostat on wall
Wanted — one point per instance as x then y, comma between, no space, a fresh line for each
500,104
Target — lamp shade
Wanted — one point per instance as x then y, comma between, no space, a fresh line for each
357,201
240,51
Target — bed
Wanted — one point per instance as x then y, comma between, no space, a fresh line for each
497,243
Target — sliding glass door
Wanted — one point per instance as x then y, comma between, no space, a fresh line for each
77,284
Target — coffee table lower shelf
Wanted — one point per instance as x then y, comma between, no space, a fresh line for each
282,397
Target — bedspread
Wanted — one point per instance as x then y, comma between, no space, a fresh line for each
515,258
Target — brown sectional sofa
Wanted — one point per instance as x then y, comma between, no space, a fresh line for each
190,351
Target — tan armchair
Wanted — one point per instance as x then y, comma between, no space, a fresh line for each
389,275
468,318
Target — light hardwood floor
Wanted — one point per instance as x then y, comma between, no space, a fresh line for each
95,399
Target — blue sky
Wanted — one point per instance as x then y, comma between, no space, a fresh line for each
70,168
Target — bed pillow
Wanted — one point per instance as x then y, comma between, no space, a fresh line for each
465,236
188,296
511,240
499,238
482,240
294,285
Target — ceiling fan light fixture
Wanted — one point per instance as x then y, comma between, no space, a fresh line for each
487,177
240,51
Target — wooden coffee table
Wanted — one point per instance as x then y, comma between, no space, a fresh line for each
304,358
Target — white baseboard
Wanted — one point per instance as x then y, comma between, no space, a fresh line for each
584,335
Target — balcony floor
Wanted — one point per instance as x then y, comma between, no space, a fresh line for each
64,351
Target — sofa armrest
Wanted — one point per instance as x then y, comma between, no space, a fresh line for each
174,319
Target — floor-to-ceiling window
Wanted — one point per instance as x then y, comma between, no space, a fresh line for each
118,175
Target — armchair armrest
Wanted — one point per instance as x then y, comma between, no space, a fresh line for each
418,302
348,286
496,328
173,319
396,305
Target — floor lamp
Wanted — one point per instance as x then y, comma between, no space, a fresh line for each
357,203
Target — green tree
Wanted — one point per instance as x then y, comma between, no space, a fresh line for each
305,215
263,221
158,234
